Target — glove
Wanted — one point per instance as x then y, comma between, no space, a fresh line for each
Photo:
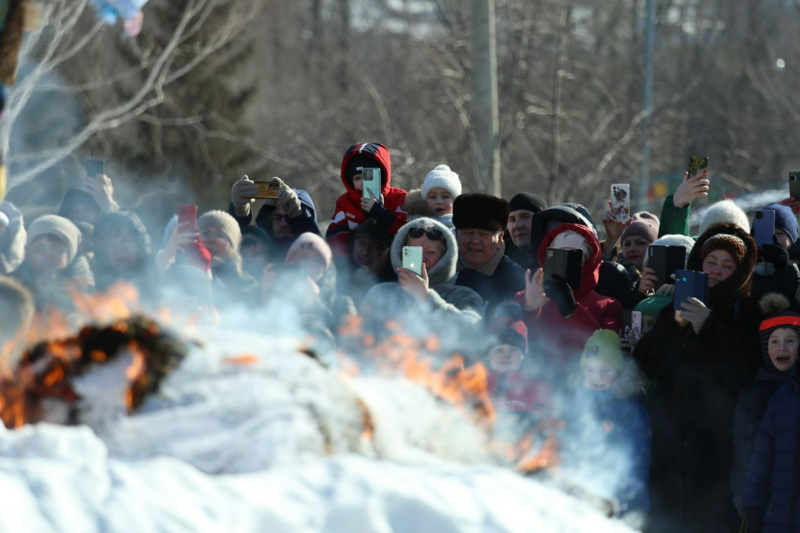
558,290
242,194
776,254
383,216
288,201
754,519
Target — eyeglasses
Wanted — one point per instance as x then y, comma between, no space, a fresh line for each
434,234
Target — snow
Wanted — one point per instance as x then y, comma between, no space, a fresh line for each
272,446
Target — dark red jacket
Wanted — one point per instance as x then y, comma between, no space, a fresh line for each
564,339
513,391
348,213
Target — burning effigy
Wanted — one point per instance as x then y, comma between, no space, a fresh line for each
253,424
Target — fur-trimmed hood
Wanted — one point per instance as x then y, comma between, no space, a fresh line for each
738,285
416,207
445,269
12,247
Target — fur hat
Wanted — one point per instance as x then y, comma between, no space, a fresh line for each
480,211
312,242
653,305
58,227
725,211
224,223
775,307
527,202
729,243
442,177
603,345
785,220
644,225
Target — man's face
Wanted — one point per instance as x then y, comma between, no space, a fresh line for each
280,228
369,254
519,226
478,246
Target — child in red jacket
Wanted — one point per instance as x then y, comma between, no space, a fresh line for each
352,208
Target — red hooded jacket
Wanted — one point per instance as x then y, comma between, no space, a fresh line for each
592,313
348,214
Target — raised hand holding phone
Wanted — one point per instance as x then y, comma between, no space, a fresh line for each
614,230
99,186
416,286
692,188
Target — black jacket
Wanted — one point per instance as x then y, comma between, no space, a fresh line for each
507,280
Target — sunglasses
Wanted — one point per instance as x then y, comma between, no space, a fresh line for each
434,234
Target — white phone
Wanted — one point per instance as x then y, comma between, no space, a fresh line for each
412,259
621,201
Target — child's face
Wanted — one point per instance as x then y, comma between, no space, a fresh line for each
440,201
599,375
505,358
358,182
782,348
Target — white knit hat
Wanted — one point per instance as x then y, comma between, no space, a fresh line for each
223,222
673,240
59,227
725,211
441,177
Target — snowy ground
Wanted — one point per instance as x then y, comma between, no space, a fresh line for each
273,446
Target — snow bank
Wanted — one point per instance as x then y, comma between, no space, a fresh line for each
271,442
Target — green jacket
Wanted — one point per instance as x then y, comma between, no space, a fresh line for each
674,221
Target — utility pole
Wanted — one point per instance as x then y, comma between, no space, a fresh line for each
486,115
647,99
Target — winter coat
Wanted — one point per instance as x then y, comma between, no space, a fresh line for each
504,282
143,275
516,391
612,428
614,281
750,408
231,286
305,222
447,301
564,339
773,474
12,245
77,276
416,207
699,378
674,220
785,282
348,214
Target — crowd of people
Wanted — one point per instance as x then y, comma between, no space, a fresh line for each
701,411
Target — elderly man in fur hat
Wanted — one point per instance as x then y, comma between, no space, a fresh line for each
479,220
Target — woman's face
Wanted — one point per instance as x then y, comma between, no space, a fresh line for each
719,265
47,255
123,250
309,262
432,250
440,201
505,358
782,348
634,249
217,243
599,375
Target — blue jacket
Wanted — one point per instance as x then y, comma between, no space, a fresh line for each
619,437
772,482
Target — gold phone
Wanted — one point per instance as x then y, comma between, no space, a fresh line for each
266,189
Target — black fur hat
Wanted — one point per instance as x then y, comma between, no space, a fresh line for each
480,211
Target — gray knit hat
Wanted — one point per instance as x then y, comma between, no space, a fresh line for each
59,227
224,223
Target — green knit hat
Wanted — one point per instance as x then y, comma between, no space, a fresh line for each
653,305
603,345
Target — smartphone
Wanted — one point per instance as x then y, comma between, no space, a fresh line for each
794,184
266,190
565,263
666,260
621,201
371,180
689,284
636,327
697,165
764,227
412,259
188,213
95,167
